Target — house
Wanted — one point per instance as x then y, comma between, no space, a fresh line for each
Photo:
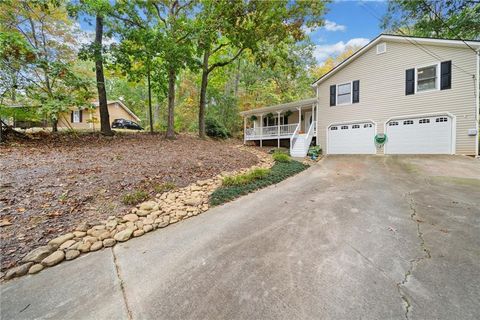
418,95
90,118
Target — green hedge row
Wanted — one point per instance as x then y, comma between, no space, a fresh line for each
279,171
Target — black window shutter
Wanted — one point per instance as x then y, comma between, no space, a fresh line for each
71,117
446,75
410,81
356,91
81,114
333,93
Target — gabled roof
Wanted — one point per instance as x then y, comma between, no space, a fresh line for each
124,107
399,38
280,107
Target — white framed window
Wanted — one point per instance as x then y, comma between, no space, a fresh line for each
423,121
381,48
344,93
333,128
427,78
344,127
442,119
356,126
367,125
393,123
76,116
407,122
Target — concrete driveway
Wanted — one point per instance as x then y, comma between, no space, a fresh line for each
350,238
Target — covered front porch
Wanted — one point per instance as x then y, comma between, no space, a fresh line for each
284,121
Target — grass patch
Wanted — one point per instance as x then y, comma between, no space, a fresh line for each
245,178
280,171
164,187
281,157
135,197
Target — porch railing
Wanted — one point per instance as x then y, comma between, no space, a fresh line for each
271,131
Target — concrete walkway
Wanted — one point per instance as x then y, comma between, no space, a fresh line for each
351,238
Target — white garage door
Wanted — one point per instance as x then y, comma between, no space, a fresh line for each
426,135
354,138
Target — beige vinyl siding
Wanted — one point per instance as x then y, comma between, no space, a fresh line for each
115,111
382,90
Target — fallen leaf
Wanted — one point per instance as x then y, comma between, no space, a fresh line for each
4,223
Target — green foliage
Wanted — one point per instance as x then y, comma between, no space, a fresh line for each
134,197
241,179
281,157
215,129
277,173
314,151
164,187
433,18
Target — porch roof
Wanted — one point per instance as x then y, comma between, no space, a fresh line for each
281,107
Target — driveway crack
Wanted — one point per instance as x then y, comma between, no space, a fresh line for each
122,286
414,262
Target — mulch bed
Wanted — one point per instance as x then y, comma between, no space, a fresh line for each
49,185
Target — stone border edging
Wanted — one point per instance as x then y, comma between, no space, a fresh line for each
167,208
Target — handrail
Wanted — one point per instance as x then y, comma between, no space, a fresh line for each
309,136
294,136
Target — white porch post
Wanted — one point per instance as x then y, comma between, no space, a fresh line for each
300,118
261,130
278,127
244,130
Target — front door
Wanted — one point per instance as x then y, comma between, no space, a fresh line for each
307,120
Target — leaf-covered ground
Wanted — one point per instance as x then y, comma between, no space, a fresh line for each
49,185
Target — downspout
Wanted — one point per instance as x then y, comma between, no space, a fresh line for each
477,98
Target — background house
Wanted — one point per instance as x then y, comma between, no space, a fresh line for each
90,118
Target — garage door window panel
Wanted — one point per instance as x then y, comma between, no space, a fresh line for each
344,93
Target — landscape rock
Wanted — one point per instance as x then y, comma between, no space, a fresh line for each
104,235
147,228
148,206
96,246
67,244
82,227
18,271
79,234
84,247
193,202
59,240
54,258
138,233
109,242
38,254
142,213
147,221
123,235
71,254
90,239
36,268
111,224
132,217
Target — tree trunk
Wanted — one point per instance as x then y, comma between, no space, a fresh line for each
102,94
237,80
203,94
171,104
54,125
150,113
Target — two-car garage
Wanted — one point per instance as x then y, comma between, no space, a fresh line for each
431,134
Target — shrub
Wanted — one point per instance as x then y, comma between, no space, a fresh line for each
281,157
279,172
213,128
314,151
164,187
245,178
134,197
